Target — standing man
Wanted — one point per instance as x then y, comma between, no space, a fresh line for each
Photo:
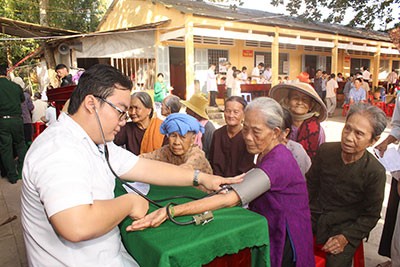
63,75
391,81
256,73
318,83
212,88
267,74
230,80
331,87
366,74
69,214
11,127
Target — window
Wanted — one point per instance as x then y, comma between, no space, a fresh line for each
396,66
358,63
214,56
266,58
311,63
383,69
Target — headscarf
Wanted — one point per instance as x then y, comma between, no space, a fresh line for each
180,123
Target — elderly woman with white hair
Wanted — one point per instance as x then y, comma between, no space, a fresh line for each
275,189
346,186
181,130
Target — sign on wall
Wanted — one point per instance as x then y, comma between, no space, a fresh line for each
247,53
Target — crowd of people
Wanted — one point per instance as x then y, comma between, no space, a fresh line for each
311,192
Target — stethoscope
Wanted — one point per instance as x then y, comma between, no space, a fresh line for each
197,219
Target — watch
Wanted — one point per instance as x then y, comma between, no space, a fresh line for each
196,177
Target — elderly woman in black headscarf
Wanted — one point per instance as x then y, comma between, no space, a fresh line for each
181,130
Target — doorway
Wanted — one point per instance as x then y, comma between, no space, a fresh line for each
178,71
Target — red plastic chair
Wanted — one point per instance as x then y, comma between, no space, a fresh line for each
381,105
389,110
346,108
320,256
38,127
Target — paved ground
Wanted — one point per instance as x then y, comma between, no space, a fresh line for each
12,250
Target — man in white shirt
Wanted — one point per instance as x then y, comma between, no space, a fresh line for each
212,87
366,74
229,80
256,73
69,213
331,87
392,81
267,74
40,108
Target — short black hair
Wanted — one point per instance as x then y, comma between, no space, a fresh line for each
100,80
160,74
3,70
61,66
238,99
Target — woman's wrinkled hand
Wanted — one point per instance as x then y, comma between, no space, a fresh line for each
154,219
335,244
214,183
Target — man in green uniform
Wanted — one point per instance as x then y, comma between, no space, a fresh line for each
11,126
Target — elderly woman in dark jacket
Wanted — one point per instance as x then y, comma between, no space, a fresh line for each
346,186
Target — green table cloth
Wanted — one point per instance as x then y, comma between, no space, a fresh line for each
232,230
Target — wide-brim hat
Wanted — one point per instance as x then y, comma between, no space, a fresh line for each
198,104
280,93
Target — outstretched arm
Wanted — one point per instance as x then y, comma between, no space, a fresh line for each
157,217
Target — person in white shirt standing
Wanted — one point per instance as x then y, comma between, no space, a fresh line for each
267,74
256,73
366,74
69,215
229,79
212,88
391,81
40,108
331,88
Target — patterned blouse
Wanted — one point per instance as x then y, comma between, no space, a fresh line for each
194,159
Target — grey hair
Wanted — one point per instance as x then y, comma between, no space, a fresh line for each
270,109
376,116
173,102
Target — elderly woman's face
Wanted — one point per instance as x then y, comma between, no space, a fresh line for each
180,145
137,111
234,113
258,137
357,134
299,103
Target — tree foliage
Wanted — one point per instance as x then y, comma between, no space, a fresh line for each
370,14
76,15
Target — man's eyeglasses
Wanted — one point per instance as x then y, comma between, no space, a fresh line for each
123,115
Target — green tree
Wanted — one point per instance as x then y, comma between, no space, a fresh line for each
369,14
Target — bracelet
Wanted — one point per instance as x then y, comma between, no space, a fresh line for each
196,177
170,210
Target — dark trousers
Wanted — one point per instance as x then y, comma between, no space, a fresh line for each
28,132
213,95
12,138
390,220
287,259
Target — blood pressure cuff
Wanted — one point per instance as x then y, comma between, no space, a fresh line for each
255,182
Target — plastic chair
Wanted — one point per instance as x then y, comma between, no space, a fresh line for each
247,97
389,110
346,108
38,127
320,256
381,105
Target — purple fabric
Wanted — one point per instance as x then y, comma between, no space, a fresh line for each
286,208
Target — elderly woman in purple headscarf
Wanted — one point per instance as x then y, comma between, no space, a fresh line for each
181,130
